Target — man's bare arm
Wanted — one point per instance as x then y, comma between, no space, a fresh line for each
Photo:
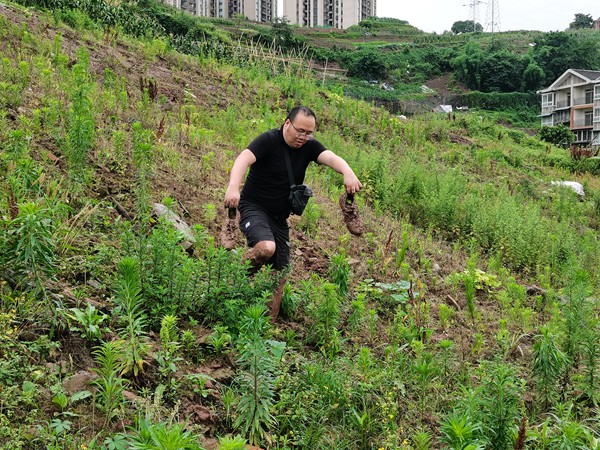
351,181
240,165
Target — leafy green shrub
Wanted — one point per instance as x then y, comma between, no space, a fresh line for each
29,247
161,436
496,406
366,63
558,135
459,431
497,101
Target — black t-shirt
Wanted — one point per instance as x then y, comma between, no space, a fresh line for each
268,183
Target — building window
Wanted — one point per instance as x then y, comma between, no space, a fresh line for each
589,97
548,99
597,115
546,121
562,116
588,118
584,136
597,92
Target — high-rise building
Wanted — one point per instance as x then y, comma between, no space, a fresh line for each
257,10
328,13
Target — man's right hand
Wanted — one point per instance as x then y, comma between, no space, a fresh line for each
232,197
240,165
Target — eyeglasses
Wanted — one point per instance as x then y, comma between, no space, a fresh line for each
306,134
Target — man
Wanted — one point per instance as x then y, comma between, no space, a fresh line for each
263,203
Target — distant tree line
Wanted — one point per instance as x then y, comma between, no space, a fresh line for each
486,65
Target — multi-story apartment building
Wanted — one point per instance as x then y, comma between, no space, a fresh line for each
328,13
257,10
574,100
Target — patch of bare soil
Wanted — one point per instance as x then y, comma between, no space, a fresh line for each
445,86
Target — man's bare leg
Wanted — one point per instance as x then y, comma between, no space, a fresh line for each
275,303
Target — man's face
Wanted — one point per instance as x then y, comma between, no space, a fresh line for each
298,131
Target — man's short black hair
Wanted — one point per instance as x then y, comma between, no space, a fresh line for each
304,110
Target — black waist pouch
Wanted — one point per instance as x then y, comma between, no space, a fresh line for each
299,196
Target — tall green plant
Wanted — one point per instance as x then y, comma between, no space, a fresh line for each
257,359
578,315
143,160
549,362
29,247
326,318
81,128
134,347
168,356
469,282
339,271
500,401
459,432
109,384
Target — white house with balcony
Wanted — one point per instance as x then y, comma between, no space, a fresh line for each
574,100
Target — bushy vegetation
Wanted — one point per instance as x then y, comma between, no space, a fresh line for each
466,317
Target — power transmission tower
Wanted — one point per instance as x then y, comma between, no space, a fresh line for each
492,19
474,12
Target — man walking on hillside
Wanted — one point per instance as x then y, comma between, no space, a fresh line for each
264,203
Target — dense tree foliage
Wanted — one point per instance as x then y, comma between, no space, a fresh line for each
582,21
367,63
283,35
558,135
556,52
467,65
466,26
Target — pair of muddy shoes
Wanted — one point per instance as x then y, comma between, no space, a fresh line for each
351,217
229,230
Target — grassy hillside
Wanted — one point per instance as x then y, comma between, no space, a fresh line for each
466,317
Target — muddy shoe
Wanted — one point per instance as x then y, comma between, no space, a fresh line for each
228,232
351,217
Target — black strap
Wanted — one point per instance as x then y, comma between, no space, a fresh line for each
289,168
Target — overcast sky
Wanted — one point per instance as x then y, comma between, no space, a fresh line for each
439,15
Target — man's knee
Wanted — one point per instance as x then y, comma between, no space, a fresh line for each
266,248
261,253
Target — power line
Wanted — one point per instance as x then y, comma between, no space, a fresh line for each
492,19
474,12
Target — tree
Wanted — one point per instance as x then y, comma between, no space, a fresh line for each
582,21
466,26
532,77
283,35
560,135
467,65
500,71
555,52
367,63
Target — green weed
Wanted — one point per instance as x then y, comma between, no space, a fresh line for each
258,358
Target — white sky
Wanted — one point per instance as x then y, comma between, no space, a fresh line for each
439,15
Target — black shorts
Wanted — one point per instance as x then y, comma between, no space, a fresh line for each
258,225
